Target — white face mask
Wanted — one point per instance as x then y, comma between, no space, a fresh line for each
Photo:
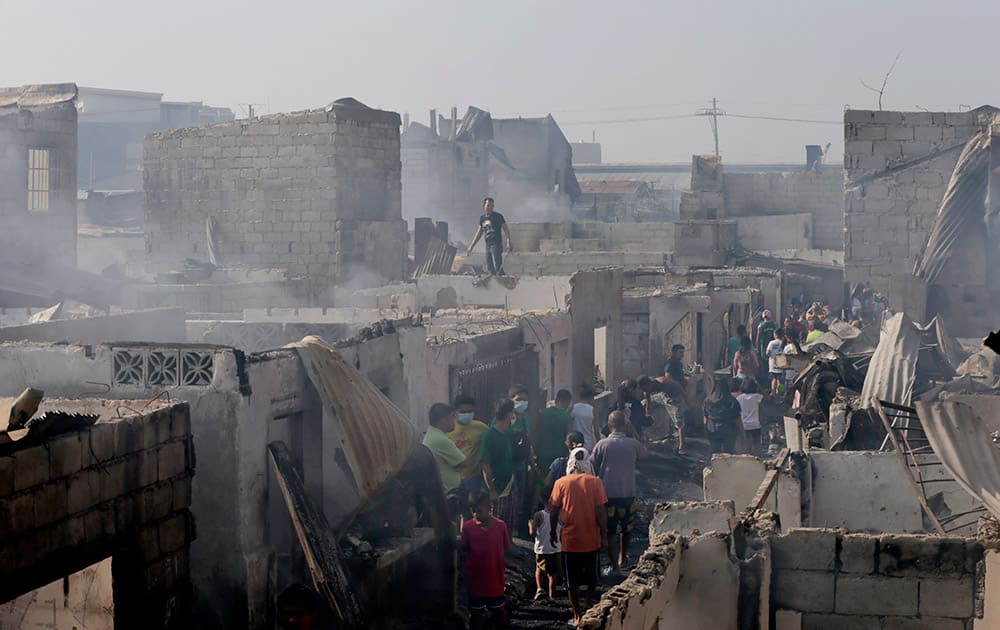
464,418
520,406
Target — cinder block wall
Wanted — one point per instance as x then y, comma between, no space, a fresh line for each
898,166
314,192
820,194
119,489
38,236
839,580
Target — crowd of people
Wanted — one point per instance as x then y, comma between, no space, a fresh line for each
559,477
567,479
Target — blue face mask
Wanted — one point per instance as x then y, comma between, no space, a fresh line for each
464,418
520,406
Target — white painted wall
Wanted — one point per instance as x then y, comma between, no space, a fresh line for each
545,293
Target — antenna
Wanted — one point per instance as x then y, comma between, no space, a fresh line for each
714,112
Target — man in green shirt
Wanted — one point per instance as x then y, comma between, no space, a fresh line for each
497,462
553,425
448,456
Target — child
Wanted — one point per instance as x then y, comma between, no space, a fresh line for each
775,348
548,561
484,542
750,399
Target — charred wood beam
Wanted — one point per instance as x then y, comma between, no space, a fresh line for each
316,538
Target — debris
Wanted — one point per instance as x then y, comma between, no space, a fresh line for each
24,408
316,538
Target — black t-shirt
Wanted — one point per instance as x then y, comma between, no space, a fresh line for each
676,370
491,224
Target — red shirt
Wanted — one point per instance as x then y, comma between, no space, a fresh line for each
485,566
578,496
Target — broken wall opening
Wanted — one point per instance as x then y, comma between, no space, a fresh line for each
83,600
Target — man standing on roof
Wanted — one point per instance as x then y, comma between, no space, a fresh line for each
493,228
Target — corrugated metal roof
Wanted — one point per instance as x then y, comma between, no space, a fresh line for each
893,366
611,187
377,437
963,443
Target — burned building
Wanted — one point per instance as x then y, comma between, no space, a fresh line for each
449,166
94,482
38,135
902,169
315,193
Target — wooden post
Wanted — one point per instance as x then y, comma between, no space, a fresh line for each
316,538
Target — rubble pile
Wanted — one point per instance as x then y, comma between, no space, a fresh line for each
843,373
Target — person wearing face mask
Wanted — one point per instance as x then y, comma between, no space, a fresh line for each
468,437
523,453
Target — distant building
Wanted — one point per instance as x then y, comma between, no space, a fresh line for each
449,166
586,153
615,200
38,133
112,125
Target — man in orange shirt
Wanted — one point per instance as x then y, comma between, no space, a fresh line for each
580,499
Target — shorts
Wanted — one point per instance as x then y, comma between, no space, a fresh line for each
549,563
480,604
581,568
621,513
777,375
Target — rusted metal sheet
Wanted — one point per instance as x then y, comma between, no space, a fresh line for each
963,443
377,437
438,260
893,367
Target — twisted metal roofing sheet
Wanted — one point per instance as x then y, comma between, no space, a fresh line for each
963,443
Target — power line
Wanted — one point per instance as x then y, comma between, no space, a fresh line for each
778,118
714,112
625,120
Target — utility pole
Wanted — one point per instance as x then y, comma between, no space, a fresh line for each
714,112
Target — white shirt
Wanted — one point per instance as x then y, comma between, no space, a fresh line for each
583,421
774,348
750,410
790,375
543,539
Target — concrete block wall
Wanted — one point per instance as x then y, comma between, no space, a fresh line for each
119,489
635,343
592,236
898,165
38,236
818,194
314,192
840,580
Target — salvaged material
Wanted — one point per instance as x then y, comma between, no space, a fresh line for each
316,538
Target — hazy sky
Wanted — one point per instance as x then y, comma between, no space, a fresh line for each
581,61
